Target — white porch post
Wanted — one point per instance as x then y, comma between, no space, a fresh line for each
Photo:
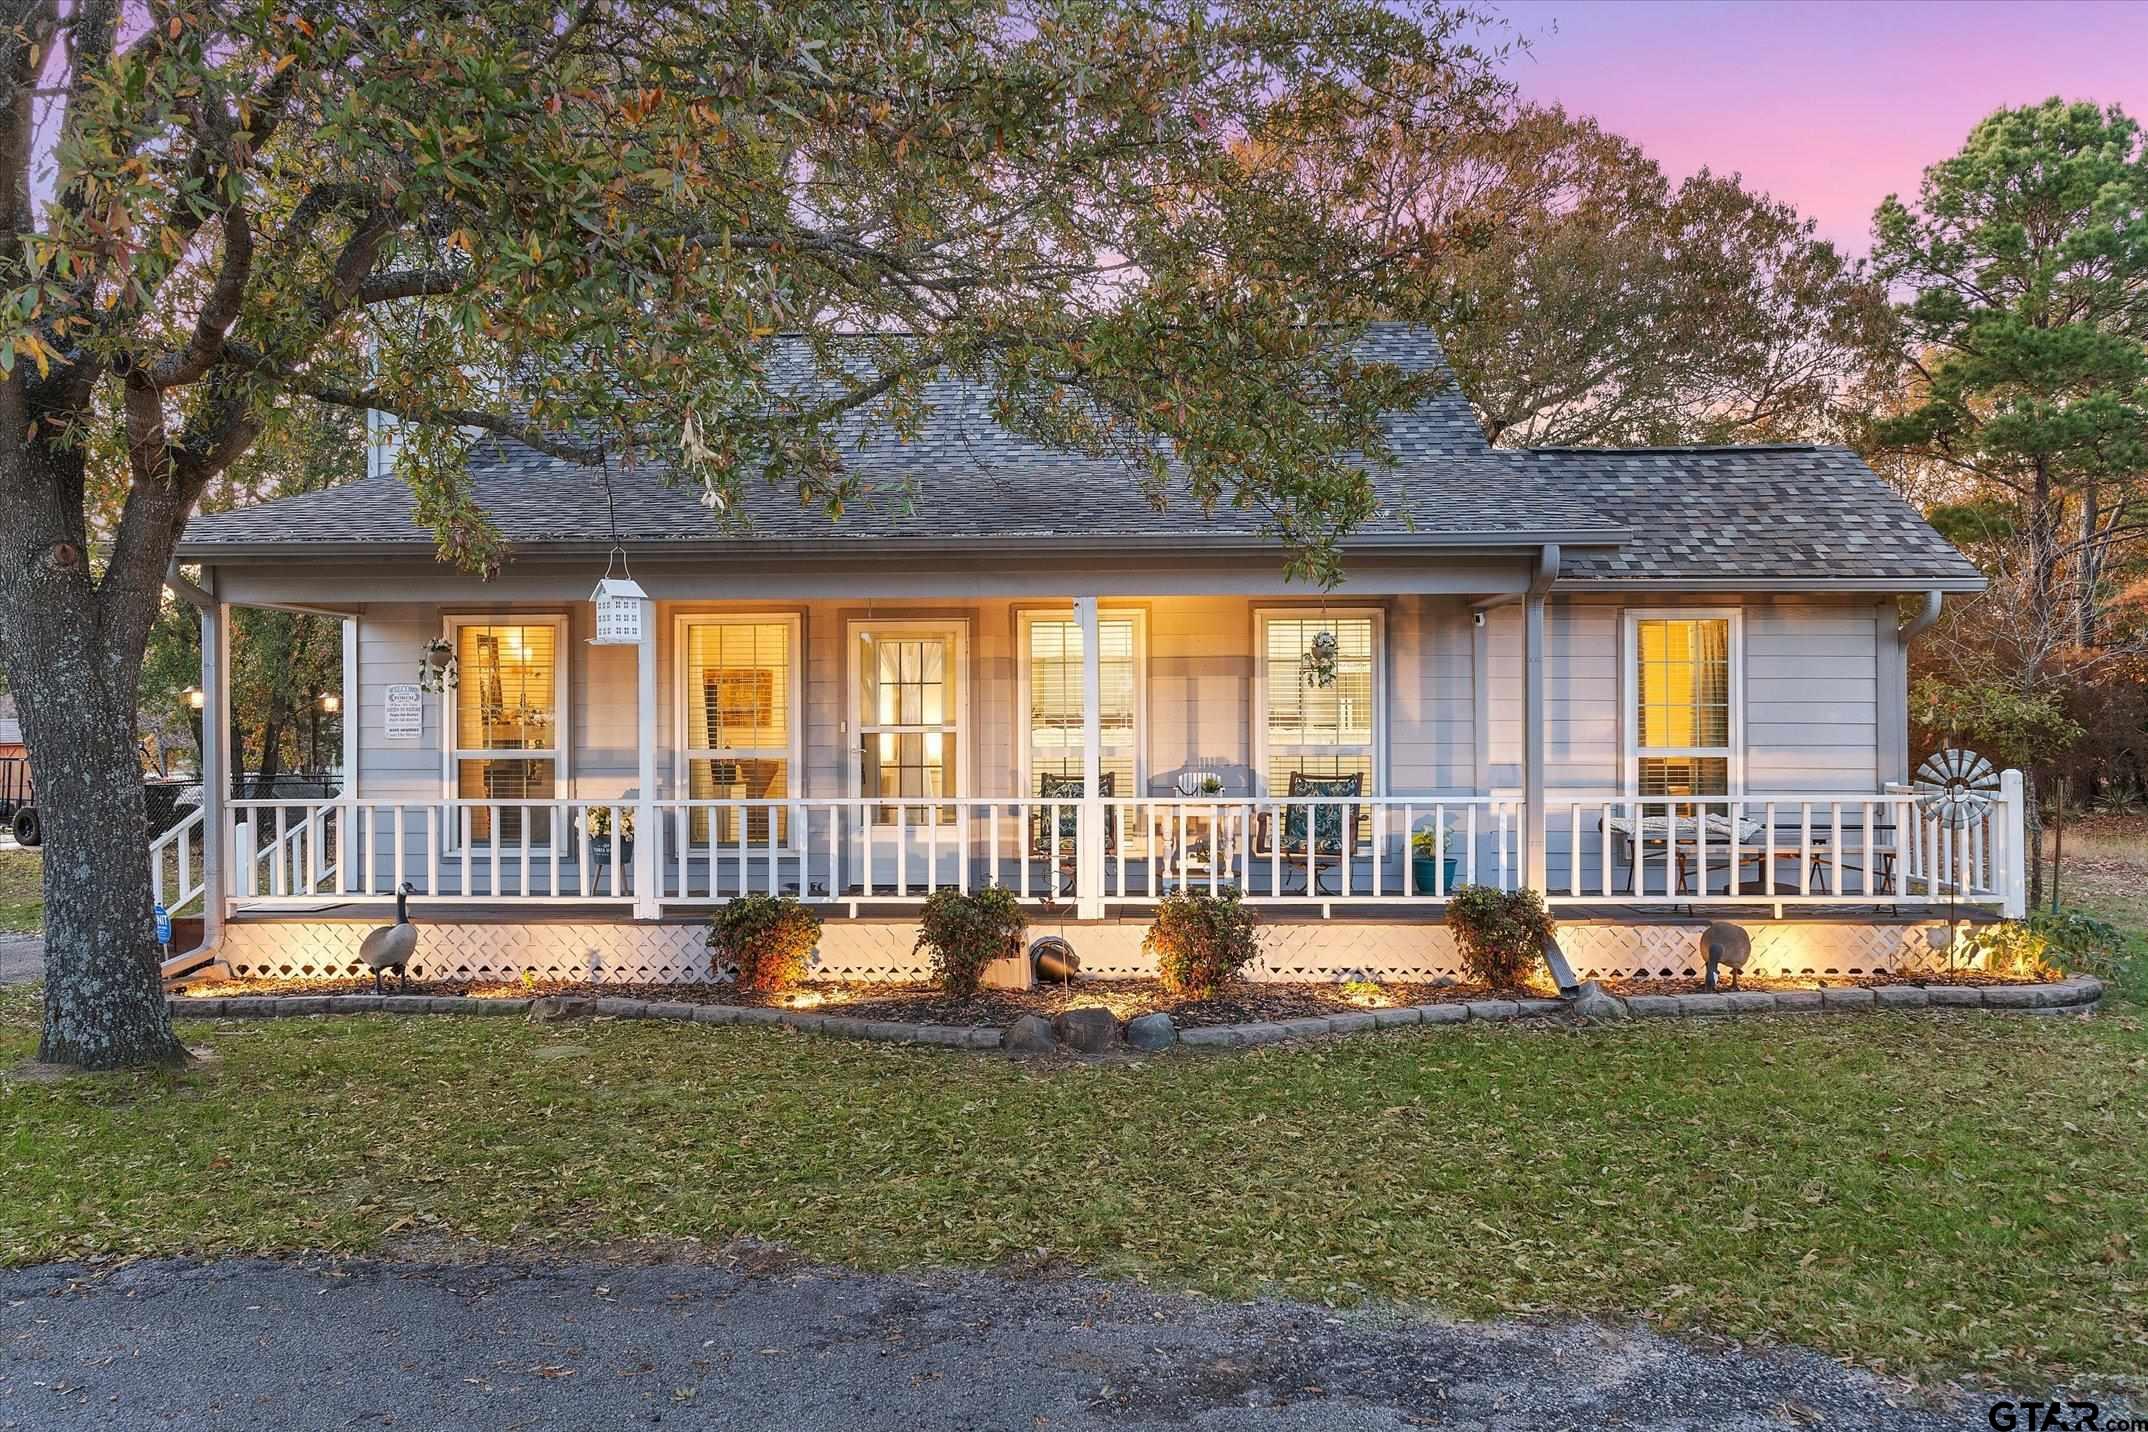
217,865
2014,857
350,709
1089,894
1535,862
648,829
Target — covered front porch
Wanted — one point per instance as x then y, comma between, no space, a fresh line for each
1345,762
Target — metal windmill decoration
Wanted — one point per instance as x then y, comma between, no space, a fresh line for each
1954,787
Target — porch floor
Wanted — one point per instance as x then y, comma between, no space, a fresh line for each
479,912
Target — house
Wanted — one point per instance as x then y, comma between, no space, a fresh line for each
1656,685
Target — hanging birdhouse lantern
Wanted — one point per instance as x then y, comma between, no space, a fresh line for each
618,601
1321,660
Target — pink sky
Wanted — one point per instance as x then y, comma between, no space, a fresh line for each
1828,104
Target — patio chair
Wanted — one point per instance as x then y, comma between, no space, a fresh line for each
1328,846
1855,856
1654,836
1062,845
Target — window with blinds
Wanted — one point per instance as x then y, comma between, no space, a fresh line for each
909,705
508,700
741,732
1682,692
1319,730
1052,649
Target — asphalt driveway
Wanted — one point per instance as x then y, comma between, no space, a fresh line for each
767,1344
22,958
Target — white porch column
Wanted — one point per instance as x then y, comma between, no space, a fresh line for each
1089,900
2014,855
1535,862
217,864
648,828
351,708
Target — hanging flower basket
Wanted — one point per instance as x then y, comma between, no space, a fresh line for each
438,669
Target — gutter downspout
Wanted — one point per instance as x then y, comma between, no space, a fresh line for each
1917,625
214,722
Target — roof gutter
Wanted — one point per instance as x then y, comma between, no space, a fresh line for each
1917,625
190,592
851,549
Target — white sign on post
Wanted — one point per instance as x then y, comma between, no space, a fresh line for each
404,719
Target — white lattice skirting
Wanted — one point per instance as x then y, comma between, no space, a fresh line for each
882,950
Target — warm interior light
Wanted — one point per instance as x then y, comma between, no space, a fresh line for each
196,697
331,703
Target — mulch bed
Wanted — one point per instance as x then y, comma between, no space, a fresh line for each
1907,977
1244,1003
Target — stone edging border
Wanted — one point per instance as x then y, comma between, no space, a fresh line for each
2070,996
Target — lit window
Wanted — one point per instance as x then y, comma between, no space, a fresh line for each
508,699
1314,726
740,727
1052,649
1685,725
909,719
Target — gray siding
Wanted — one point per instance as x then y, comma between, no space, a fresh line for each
1814,678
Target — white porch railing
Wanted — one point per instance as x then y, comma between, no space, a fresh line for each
1791,849
866,851
176,867
523,852
1795,849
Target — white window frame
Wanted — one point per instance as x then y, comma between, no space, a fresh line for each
1261,617
854,726
1630,702
1029,618
683,755
451,711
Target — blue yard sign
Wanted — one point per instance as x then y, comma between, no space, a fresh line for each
164,926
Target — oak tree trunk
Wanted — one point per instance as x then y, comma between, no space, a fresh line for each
73,662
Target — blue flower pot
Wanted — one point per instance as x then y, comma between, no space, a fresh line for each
1423,876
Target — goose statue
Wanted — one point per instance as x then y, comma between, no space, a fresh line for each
1725,946
391,946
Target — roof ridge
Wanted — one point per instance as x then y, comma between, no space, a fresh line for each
1682,448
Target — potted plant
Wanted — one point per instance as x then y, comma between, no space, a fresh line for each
1427,846
600,834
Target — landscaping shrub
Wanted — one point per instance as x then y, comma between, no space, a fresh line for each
2043,944
1501,933
964,933
1201,941
770,938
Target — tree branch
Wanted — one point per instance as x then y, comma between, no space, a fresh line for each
409,283
218,312
262,366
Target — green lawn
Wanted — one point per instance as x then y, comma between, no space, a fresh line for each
1934,1194
22,891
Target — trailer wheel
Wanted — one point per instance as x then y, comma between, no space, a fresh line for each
28,833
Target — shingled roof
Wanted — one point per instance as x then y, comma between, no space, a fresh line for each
1708,515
